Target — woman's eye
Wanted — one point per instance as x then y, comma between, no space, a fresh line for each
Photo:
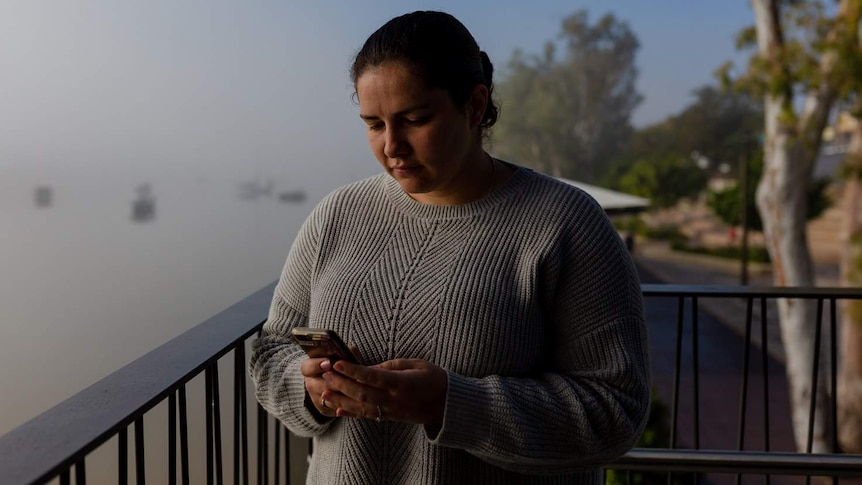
417,121
375,127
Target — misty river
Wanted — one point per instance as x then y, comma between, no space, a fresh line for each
99,269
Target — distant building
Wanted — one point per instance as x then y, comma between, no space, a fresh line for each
826,233
836,141
613,202
719,181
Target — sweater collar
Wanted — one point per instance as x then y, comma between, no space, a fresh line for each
409,206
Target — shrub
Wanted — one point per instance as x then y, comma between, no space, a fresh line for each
666,232
756,254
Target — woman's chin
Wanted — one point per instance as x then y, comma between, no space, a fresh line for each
411,186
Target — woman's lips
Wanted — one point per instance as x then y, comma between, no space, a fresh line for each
406,170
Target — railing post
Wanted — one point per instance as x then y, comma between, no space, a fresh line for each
140,464
184,436
240,426
123,457
172,439
764,355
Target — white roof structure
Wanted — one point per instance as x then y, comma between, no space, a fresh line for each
612,202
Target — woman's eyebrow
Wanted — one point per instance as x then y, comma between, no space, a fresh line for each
411,109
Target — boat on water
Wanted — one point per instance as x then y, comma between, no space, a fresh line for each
144,205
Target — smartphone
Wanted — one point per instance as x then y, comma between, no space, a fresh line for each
318,342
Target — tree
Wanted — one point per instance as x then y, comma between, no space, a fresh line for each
798,46
567,115
717,125
663,179
850,375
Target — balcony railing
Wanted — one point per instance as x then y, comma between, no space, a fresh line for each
204,370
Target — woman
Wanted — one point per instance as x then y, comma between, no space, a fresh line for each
497,312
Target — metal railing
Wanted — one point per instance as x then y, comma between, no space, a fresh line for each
58,444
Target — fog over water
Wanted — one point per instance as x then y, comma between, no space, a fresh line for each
86,290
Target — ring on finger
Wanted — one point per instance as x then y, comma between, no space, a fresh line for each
323,401
379,417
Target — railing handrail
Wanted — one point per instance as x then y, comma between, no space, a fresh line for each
57,438
743,462
840,292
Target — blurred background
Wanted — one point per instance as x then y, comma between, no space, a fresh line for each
157,158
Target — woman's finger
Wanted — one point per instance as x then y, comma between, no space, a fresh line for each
370,376
315,388
352,398
311,367
351,388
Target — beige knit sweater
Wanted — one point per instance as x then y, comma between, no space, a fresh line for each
528,298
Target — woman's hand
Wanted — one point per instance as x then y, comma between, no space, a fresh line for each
315,384
406,390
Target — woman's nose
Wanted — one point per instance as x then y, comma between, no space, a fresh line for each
395,145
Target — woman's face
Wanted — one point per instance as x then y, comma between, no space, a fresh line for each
421,138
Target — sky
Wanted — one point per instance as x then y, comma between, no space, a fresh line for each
253,87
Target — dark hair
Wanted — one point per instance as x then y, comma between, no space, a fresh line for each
442,50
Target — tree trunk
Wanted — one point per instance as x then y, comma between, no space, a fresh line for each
782,207
790,150
850,373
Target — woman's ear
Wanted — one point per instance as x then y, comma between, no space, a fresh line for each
476,104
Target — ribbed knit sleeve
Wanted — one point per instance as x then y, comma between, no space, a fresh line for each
589,405
275,359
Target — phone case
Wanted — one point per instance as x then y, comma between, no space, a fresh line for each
317,342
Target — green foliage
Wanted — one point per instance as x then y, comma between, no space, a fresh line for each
818,200
756,254
655,435
567,113
666,232
746,38
664,180
657,431
808,30
852,167
632,224
726,203
794,62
